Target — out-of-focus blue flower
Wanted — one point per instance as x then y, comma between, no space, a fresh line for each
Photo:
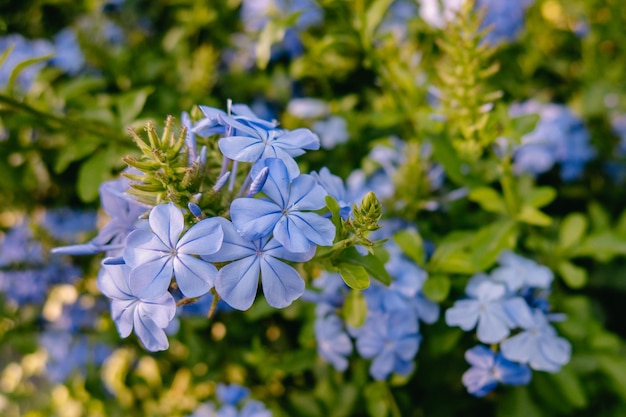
331,296
238,281
148,318
504,18
18,246
158,254
516,272
490,368
308,108
488,309
231,394
23,50
333,343
391,341
66,224
559,137
68,55
332,131
283,214
617,169
334,186
31,285
538,345
397,17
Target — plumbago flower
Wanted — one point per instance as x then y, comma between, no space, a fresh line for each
238,281
489,369
157,255
148,318
283,214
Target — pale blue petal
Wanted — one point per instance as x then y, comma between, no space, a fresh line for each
513,373
204,238
382,365
519,348
490,291
294,142
242,148
370,343
143,246
122,313
479,382
277,250
276,185
290,236
306,194
407,347
237,282
167,223
427,310
480,356
519,312
491,326
112,281
151,280
312,226
281,283
254,218
161,311
464,313
555,349
194,276
152,336
233,245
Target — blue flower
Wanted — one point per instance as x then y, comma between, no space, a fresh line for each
516,272
68,224
559,137
333,343
148,318
538,345
283,213
391,340
68,55
335,188
23,50
505,19
231,394
238,281
254,143
490,368
158,254
494,314
332,131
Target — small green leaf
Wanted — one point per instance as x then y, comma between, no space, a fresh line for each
334,209
488,198
602,246
490,241
411,244
574,276
572,230
130,105
540,196
372,264
376,399
355,276
91,174
568,383
531,215
17,70
437,287
600,218
354,309
374,15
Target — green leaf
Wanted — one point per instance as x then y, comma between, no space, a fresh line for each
374,15
354,309
334,209
490,241
444,153
355,276
74,151
615,368
524,124
517,402
600,218
130,105
376,400
437,287
531,215
21,67
572,230
371,263
411,244
602,246
574,276
539,196
91,174
568,383
488,198
6,53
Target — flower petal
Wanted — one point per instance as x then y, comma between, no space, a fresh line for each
254,218
237,282
306,194
233,245
194,276
167,222
464,313
276,185
281,283
242,148
152,336
204,238
151,280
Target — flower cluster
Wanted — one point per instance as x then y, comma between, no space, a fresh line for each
213,240
389,334
233,401
509,307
